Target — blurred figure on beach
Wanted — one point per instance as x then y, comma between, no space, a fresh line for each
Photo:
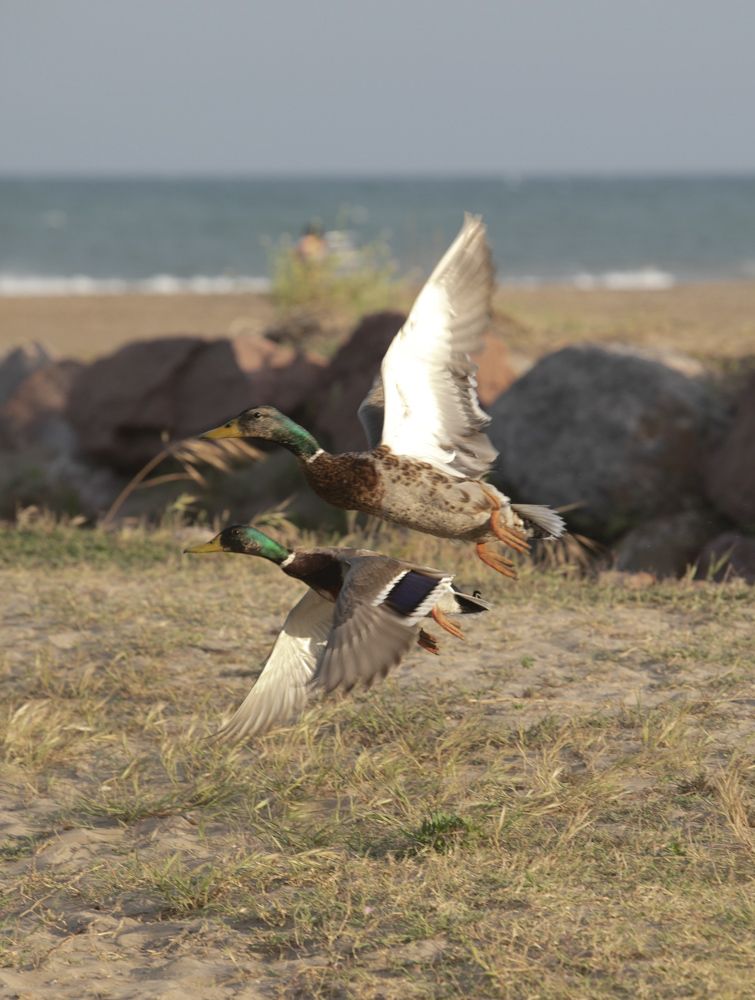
312,247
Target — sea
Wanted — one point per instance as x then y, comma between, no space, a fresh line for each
169,235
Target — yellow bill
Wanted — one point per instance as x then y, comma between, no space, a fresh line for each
230,429
212,546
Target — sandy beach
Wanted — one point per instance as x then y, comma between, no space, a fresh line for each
715,320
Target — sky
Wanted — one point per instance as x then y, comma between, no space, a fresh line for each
390,87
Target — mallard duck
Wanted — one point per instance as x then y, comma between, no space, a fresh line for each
360,615
426,471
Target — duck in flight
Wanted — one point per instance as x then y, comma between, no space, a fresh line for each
359,617
428,450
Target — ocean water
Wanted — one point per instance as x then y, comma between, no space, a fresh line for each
69,236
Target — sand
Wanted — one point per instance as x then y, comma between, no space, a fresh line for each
715,320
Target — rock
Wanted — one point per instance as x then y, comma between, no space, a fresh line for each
121,404
727,556
619,434
666,546
20,363
225,377
730,470
347,379
124,405
351,372
33,415
63,484
39,465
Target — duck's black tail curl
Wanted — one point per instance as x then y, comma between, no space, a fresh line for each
468,605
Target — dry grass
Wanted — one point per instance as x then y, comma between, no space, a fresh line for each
559,807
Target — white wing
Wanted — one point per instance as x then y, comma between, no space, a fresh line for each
282,690
431,406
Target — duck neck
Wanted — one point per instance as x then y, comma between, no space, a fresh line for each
274,551
297,440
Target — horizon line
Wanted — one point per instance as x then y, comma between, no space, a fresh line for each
506,176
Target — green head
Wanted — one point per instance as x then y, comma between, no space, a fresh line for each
268,424
246,540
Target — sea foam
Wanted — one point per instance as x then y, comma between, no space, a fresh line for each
33,285
643,279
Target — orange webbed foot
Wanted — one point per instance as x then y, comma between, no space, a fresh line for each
499,563
508,536
444,622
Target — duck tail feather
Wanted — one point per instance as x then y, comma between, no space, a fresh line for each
542,518
469,605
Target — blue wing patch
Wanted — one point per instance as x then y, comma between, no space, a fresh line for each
409,593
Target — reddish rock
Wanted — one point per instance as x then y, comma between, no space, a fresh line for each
225,377
494,373
347,379
728,556
33,414
123,405
351,372
730,470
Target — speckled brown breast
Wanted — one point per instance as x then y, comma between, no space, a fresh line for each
403,490
350,481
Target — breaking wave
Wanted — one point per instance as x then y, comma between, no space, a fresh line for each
31,285
643,279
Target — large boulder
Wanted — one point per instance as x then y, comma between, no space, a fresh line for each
124,405
728,556
616,434
666,546
730,471
351,372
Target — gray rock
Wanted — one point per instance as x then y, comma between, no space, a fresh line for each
728,556
666,546
618,434
19,363
63,484
33,415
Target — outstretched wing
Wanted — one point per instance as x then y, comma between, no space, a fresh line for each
377,617
431,407
281,691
